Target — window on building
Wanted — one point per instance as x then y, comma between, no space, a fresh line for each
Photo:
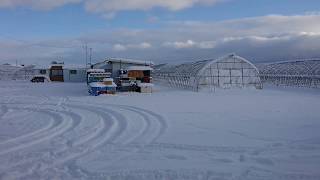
73,71
43,71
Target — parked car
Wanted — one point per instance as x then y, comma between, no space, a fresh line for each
39,78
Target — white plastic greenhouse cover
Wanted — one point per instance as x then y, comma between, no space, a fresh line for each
226,72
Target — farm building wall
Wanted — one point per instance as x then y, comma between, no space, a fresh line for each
74,75
69,75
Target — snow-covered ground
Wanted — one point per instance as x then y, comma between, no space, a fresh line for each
57,131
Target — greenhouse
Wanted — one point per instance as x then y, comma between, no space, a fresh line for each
299,73
227,72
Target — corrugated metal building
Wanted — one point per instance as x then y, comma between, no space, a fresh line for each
114,65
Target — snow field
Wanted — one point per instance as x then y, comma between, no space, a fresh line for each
57,131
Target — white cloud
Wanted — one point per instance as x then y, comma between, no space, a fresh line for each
36,4
144,45
190,44
179,44
310,33
119,47
107,6
260,38
124,47
207,44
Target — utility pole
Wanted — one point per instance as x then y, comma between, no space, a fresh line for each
86,54
90,56
85,47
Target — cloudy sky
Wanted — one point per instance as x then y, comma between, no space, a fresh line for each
174,31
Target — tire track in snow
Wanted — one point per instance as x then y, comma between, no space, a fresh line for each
67,153
109,134
146,128
35,133
49,126
42,135
106,135
113,139
148,116
73,142
61,125
22,142
107,114
97,128
155,126
162,124
113,128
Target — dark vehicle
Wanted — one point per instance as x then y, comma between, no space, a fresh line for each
37,79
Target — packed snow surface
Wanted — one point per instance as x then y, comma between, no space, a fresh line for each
58,131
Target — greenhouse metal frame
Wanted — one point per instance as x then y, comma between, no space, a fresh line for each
226,72
298,73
